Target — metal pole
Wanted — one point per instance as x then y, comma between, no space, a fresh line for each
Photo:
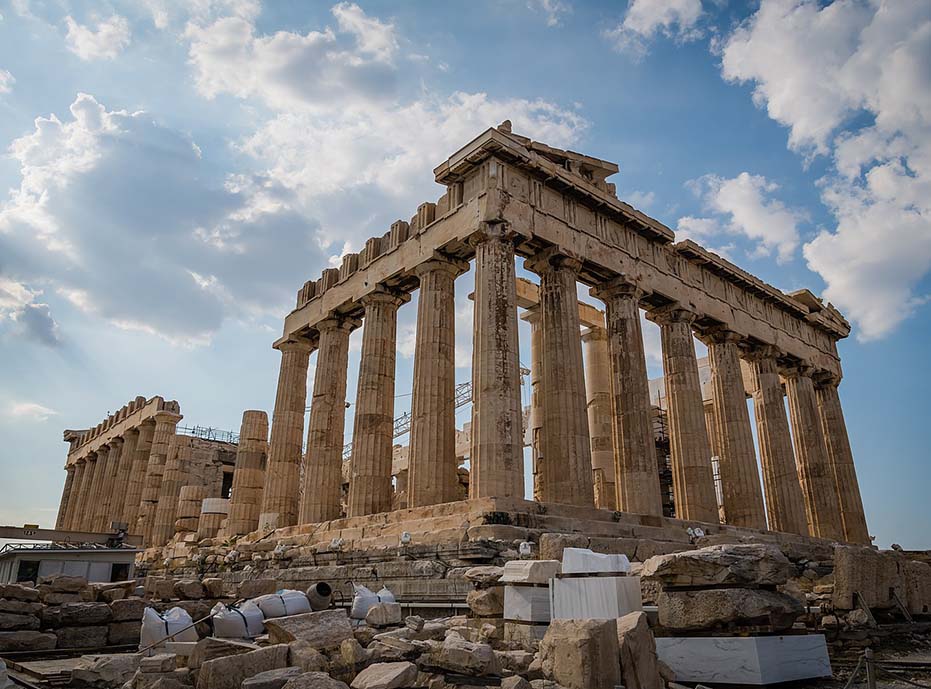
870,668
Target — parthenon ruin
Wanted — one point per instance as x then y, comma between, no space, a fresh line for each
591,417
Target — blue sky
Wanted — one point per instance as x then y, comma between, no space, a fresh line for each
173,172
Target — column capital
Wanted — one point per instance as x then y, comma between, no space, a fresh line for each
296,344
826,379
167,417
594,334
384,295
759,352
552,258
439,261
671,313
487,231
800,369
119,440
620,286
719,335
336,321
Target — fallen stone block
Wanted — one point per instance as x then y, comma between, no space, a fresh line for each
386,676
456,654
215,587
63,583
127,609
212,648
486,602
485,575
530,571
123,633
711,608
189,589
20,607
50,597
639,664
160,662
720,565
81,637
18,592
315,680
581,654
303,655
10,621
229,672
27,641
257,587
272,679
384,615
515,682
105,671
83,614
323,629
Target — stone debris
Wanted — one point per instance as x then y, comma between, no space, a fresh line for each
315,680
718,565
581,654
639,664
710,608
230,671
272,679
386,676
487,602
324,629
103,671
384,615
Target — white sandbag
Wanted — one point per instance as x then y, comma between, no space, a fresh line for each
283,603
585,561
385,596
157,626
240,622
362,600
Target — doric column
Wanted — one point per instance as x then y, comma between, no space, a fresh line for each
636,476
733,436
432,466
173,477
248,477
282,474
600,415
165,423
100,492
533,316
814,466
84,511
567,450
323,463
109,496
121,481
74,501
692,480
841,458
137,475
65,497
785,507
190,501
497,455
373,426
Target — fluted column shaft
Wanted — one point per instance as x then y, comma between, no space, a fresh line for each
636,477
282,475
100,492
692,479
600,416
173,477
323,464
249,475
433,470
845,473
65,497
110,497
121,481
74,501
814,466
373,426
497,456
733,437
85,509
165,423
533,316
137,476
785,507
567,450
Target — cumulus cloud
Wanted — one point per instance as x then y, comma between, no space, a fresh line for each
851,80
552,10
30,411
645,19
107,40
20,311
6,81
743,205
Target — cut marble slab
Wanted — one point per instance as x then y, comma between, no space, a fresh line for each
527,603
529,571
585,561
594,598
755,660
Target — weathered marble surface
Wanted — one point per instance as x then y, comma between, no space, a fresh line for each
527,603
757,660
595,598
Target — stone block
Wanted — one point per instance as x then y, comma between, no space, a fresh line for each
20,607
552,544
756,661
530,571
323,629
212,648
50,597
515,682
596,598
215,587
527,603
639,666
63,583
870,573
483,576
720,565
384,615
27,641
488,602
123,633
189,589
713,608
229,672
586,561
457,655
82,637
127,609
315,680
272,679
257,587
386,676
581,654
160,662
11,621
917,586
159,588
18,592
303,655
108,670
83,614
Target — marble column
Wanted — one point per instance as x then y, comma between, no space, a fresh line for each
733,437
433,469
121,481
690,449
845,474
109,496
137,476
636,476
248,477
785,508
600,404
533,316
567,450
497,454
74,501
814,466
373,426
323,463
190,501
65,497
165,423
99,489
282,474
174,477
85,509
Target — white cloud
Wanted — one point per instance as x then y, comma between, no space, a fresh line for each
851,80
31,411
6,81
553,10
110,37
743,206
644,19
641,200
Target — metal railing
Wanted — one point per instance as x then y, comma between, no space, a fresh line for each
209,433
